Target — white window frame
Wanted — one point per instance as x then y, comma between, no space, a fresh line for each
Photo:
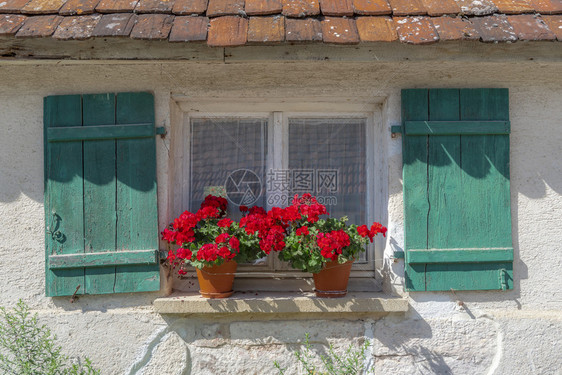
278,112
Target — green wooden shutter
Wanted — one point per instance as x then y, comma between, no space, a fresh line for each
100,194
456,189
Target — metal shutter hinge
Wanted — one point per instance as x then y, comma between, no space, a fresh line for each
398,254
395,130
161,130
503,278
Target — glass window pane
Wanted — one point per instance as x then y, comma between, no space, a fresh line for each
228,155
327,158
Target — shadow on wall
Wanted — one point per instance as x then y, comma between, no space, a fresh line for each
491,166
104,302
255,344
398,338
520,270
121,162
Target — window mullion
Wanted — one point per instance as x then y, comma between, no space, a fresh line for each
280,160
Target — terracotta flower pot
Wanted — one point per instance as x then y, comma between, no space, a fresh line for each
216,281
331,282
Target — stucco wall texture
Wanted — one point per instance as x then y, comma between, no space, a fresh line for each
513,332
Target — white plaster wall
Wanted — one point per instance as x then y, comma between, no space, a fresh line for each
496,332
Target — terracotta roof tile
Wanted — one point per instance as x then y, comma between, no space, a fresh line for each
547,6
416,30
154,6
228,31
376,29
339,30
407,7
77,27
118,24
273,21
225,8
42,6
116,6
263,7
266,29
530,27
477,7
554,23
494,29
10,23
301,8
457,28
40,26
12,6
440,7
189,7
336,7
152,26
189,29
303,30
513,6
78,7
372,7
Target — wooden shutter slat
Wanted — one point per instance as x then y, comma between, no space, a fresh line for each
102,260
63,194
99,132
444,175
460,255
468,276
486,164
99,193
456,127
415,107
137,225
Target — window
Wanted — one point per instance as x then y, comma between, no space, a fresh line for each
228,153
264,153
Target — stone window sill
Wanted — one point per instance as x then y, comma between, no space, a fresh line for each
281,303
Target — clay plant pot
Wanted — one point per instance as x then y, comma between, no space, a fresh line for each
216,281
331,282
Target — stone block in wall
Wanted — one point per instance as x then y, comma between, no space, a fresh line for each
436,346
170,356
281,332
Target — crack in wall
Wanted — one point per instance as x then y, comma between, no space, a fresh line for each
146,354
499,345
369,334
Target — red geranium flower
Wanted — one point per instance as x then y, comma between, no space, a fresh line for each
234,243
224,223
184,253
331,244
222,238
208,212
302,231
216,202
224,252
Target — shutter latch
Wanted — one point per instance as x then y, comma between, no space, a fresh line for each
503,278
54,231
